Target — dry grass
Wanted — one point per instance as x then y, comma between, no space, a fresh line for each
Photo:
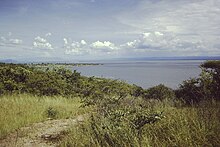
20,110
192,126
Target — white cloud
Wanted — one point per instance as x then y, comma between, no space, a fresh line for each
83,42
83,48
8,41
65,41
41,43
168,42
16,41
158,33
48,34
103,45
39,39
75,48
148,41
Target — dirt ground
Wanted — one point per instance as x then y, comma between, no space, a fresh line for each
43,134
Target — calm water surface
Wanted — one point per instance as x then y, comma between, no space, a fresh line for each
145,73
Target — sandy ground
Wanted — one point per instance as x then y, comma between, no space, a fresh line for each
43,134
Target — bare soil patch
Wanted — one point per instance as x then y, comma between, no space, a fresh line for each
43,134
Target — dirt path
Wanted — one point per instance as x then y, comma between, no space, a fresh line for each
43,134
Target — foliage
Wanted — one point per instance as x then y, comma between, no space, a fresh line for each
186,126
212,68
190,91
159,92
16,78
137,91
136,117
206,86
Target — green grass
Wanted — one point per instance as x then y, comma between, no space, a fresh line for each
192,126
21,110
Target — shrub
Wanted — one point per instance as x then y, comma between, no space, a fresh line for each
51,112
205,87
137,91
189,92
159,92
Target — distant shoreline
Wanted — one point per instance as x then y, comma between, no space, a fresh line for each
101,61
65,64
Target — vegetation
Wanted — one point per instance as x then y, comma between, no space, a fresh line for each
20,110
123,114
205,87
186,126
64,64
158,116
23,90
15,78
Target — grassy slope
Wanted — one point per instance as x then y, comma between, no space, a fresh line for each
184,126
20,110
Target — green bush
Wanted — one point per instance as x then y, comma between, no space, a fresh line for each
205,87
137,91
159,92
189,92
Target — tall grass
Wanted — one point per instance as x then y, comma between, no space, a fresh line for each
192,126
20,110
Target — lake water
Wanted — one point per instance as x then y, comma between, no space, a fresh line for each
146,73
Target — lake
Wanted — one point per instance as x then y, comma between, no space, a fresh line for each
145,73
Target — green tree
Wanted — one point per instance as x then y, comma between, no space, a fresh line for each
205,87
213,69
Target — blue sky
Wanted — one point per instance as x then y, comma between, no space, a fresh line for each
105,29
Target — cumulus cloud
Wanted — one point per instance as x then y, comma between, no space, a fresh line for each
75,48
104,47
83,42
48,34
148,40
41,43
9,41
15,41
158,41
65,41
84,48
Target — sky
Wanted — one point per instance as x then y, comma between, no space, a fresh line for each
106,29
